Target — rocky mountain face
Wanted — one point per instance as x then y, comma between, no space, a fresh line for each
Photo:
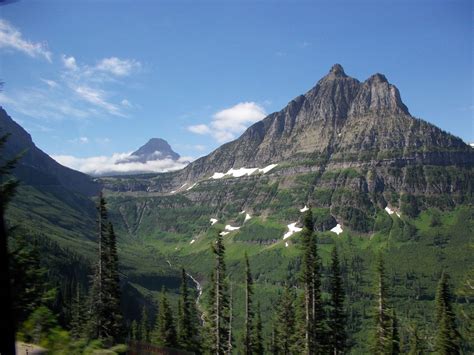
341,121
347,146
154,149
36,167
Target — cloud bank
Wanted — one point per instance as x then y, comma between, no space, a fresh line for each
227,124
118,164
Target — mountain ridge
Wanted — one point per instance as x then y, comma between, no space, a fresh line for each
340,122
36,167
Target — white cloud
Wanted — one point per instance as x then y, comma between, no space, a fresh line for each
97,98
11,38
103,165
230,122
69,62
199,129
40,104
117,66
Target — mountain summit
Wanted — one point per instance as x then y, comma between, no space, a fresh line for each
339,121
155,149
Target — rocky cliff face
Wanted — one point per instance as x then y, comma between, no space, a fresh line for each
36,167
341,121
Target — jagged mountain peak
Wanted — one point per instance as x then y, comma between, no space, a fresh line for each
340,121
377,78
337,71
377,96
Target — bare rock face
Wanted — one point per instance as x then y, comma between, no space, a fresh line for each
339,121
378,96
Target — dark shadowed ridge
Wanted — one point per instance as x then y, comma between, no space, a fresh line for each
36,167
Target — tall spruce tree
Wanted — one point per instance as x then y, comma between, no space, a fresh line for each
78,315
311,280
285,323
218,314
105,319
188,336
230,335
307,279
98,327
249,313
143,328
447,337
337,321
112,287
165,331
383,326
7,190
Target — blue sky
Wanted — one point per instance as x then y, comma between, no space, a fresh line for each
98,78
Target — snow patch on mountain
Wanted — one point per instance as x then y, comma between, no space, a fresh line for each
389,210
243,172
292,229
190,187
213,221
228,227
304,209
337,229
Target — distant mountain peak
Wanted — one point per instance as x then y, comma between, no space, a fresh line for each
154,149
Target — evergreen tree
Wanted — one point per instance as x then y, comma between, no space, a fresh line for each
105,319
165,331
249,314
7,320
299,345
28,278
285,323
338,337
447,337
231,315
188,337
112,287
383,332
258,348
78,315
319,341
218,315
311,280
143,329
307,278
98,328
